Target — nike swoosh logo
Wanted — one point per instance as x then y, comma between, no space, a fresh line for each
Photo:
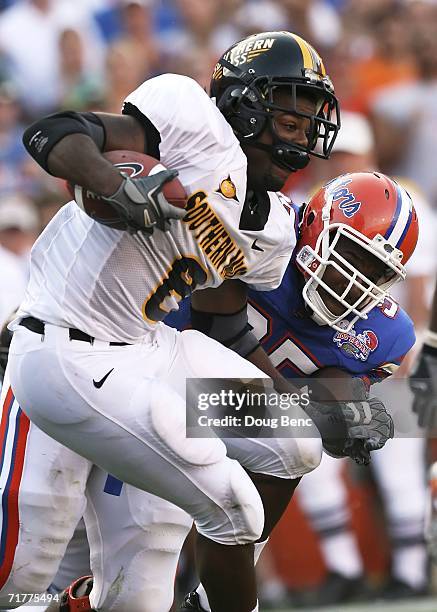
255,247
99,383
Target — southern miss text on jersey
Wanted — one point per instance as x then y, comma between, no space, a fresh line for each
299,347
113,285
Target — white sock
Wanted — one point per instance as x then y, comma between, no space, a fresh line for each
409,565
258,548
256,609
341,554
203,598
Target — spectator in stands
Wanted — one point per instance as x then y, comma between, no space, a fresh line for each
136,18
314,20
12,153
19,224
405,118
124,73
29,36
386,61
12,277
79,87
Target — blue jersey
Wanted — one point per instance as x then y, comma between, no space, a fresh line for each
297,346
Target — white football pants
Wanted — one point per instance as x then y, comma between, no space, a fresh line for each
133,426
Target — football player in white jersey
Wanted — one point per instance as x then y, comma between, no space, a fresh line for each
90,359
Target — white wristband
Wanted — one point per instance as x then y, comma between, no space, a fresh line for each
430,338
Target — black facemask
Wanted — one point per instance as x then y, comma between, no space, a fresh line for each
248,107
283,154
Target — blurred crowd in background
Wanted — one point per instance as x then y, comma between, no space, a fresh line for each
382,57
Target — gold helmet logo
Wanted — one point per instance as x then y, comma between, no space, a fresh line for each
227,189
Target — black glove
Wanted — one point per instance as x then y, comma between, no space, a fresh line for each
352,429
423,383
142,204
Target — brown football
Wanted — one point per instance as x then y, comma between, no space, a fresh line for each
135,165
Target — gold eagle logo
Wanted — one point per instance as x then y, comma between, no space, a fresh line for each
227,189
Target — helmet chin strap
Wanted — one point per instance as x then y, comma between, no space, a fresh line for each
283,155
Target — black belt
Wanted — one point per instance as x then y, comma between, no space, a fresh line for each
37,326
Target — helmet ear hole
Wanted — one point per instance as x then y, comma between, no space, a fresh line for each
230,100
240,105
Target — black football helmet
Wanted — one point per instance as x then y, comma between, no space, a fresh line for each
243,84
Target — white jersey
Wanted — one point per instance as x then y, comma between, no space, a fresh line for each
114,285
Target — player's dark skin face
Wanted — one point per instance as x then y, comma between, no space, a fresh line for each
367,264
263,173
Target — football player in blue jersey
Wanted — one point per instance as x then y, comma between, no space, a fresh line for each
332,308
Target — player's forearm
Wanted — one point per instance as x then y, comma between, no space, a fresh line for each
74,156
68,145
77,159
261,360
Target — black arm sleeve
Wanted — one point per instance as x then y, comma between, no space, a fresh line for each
232,330
40,137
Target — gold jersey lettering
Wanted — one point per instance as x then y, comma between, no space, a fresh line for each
222,251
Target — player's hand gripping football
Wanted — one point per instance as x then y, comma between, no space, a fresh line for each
368,427
142,204
351,427
423,383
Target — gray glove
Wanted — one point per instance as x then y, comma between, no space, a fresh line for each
352,428
423,383
141,203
